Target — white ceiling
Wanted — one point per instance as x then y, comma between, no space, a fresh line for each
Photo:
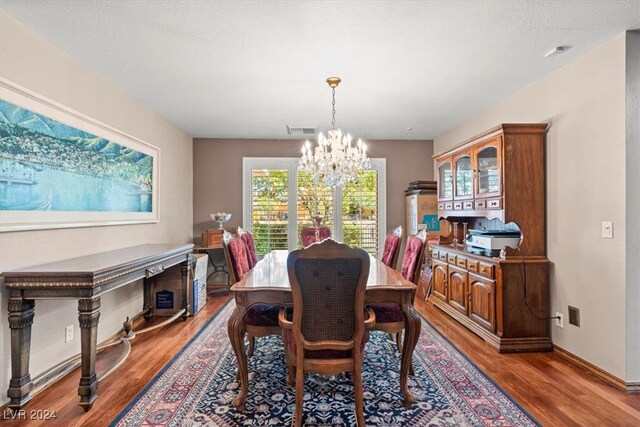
246,69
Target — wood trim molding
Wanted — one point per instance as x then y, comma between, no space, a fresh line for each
495,131
632,386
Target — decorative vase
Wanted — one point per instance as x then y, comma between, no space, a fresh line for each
317,222
221,218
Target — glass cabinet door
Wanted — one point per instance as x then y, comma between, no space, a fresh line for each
445,181
488,171
464,177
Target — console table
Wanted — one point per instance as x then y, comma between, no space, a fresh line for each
86,279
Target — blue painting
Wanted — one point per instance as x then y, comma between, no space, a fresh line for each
46,165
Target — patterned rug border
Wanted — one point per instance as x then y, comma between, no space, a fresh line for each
213,317
167,365
484,374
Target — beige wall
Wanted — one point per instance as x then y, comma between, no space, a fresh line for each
29,60
632,110
217,166
584,104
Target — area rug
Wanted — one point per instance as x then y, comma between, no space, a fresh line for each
197,387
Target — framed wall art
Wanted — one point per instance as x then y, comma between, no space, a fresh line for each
60,168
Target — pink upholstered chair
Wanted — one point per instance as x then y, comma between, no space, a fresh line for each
308,235
392,247
389,316
235,253
250,246
260,320
413,256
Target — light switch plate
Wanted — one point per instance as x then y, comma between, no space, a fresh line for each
607,229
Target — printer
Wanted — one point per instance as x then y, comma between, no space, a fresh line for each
491,242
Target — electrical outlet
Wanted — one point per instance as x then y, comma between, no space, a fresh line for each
574,316
607,229
559,319
68,333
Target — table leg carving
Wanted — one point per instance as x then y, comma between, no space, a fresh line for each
236,331
185,267
413,325
147,304
21,313
88,316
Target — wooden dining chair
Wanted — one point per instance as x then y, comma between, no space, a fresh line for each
235,253
326,332
308,235
389,315
391,248
260,320
250,246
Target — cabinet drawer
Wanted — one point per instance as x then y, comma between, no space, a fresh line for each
448,206
485,269
442,255
435,253
494,204
457,206
472,265
441,206
451,258
461,261
481,204
467,205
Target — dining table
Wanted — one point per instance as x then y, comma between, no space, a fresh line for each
268,283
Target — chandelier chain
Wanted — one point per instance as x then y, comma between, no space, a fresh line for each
333,108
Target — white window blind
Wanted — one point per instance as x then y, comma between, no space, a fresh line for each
361,213
269,209
279,201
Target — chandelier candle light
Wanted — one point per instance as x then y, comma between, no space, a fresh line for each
334,161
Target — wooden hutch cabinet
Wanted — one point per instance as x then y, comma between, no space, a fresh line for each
495,181
472,179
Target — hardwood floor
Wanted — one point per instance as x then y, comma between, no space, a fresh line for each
551,389
554,391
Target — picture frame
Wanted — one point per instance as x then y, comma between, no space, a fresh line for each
62,169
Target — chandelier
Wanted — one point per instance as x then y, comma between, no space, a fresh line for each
334,161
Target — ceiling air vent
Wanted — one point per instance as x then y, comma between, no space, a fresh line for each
300,130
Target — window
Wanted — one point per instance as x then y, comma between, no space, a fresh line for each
279,200
361,212
269,197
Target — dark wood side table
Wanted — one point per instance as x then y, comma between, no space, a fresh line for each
212,241
86,279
